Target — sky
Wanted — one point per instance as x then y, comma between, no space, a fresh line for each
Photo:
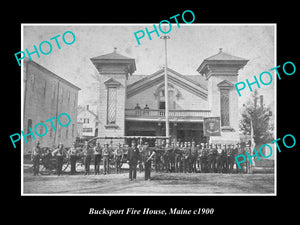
188,46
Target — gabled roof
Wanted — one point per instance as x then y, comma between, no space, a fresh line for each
114,58
221,59
174,78
112,82
113,55
87,110
223,56
225,83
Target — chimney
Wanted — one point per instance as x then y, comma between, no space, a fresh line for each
87,107
261,101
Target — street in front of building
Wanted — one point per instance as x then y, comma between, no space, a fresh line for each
160,184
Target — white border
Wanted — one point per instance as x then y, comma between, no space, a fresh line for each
146,24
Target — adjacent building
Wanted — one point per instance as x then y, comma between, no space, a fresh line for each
135,104
47,95
88,123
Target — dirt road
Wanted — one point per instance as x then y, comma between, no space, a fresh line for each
161,184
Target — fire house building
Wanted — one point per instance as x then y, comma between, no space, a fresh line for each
134,105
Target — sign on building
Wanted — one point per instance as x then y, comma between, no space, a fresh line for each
212,126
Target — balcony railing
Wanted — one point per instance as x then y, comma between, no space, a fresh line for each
160,113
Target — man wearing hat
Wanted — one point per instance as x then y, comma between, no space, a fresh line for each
118,157
87,157
177,157
186,157
133,158
35,158
200,156
230,158
157,157
73,158
149,154
194,156
97,157
59,158
105,155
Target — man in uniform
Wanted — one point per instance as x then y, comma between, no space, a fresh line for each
105,155
201,157
149,154
224,159
214,159
177,158
186,157
206,157
73,158
141,161
97,157
166,157
172,156
35,158
230,158
59,158
157,157
219,158
133,157
118,158
87,157
210,157
194,156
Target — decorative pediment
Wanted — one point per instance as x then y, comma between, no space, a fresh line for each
174,78
225,84
112,83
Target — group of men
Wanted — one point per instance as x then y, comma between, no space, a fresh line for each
188,157
180,157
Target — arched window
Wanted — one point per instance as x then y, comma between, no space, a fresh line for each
160,96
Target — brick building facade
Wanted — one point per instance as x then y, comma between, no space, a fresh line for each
135,104
47,95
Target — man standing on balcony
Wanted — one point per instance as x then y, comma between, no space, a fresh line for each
137,109
146,110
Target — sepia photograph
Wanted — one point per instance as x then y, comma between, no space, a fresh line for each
186,110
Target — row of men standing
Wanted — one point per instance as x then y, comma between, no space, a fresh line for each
189,157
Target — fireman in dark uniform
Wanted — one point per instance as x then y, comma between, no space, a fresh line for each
73,158
157,157
193,158
230,158
119,154
186,157
105,156
178,154
149,154
141,161
59,158
210,158
97,157
35,158
166,157
206,153
87,157
133,158
202,158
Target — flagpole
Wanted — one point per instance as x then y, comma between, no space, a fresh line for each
165,37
